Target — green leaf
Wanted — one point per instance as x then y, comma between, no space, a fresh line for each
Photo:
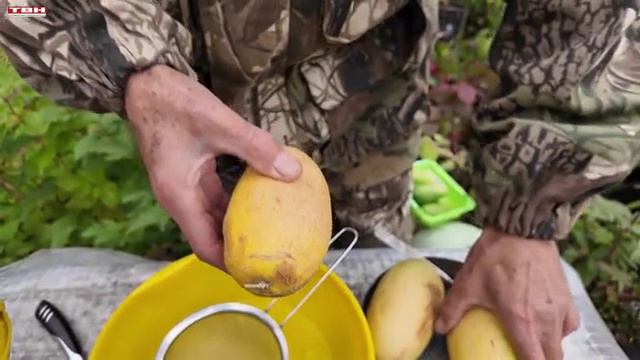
483,41
18,248
111,147
428,149
105,233
588,271
634,205
12,145
604,209
42,158
599,253
83,147
60,230
152,215
81,201
570,254
34,124
621,277
579,234
591,270
69,182
603,236
51,113
110,196
9,230
138,196
39,194
634,257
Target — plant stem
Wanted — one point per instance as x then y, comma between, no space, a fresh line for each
7,185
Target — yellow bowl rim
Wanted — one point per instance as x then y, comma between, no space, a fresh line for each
168,269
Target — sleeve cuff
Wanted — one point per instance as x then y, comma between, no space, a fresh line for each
541,219
84,57
538,189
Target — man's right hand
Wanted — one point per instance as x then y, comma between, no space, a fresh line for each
180,127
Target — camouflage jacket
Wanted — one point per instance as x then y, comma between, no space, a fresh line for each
562,126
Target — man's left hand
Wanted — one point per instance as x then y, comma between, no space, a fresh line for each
520,281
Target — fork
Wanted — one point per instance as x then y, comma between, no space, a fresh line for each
57,325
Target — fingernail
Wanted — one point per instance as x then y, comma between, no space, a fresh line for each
439,325
286,165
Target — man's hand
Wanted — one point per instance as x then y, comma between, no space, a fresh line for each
521,281
180,127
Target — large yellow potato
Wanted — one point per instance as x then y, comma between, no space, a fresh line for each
479,336
277,233
403,308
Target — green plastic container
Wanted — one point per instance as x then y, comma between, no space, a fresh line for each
461,201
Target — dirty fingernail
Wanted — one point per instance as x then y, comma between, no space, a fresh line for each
440,325
286,165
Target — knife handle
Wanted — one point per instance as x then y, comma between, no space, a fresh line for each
57,325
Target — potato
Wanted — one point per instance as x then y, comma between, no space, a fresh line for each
402,309
277,233
479,336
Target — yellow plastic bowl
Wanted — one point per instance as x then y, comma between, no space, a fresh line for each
330,325
5,333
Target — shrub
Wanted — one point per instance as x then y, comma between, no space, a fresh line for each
72,178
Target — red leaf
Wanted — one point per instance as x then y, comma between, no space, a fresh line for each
466,93
434,69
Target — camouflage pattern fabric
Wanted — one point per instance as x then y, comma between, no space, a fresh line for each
564,124
346,80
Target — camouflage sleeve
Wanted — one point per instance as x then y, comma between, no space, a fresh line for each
564,124
81,53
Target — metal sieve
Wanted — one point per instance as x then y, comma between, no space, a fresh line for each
196,334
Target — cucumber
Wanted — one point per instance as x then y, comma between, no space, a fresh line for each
435,208
425,176
425,194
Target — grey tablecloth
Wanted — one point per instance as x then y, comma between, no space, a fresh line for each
88,284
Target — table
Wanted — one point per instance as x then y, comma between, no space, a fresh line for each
88,284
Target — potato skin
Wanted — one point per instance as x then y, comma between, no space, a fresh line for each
277,233
479,336
403,308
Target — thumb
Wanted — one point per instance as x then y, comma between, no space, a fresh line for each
258,148
262,153
454,306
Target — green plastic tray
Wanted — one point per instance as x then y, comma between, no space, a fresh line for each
463,203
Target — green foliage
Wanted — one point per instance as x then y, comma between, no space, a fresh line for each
460,75
605,249
436,147
72,178
480,21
